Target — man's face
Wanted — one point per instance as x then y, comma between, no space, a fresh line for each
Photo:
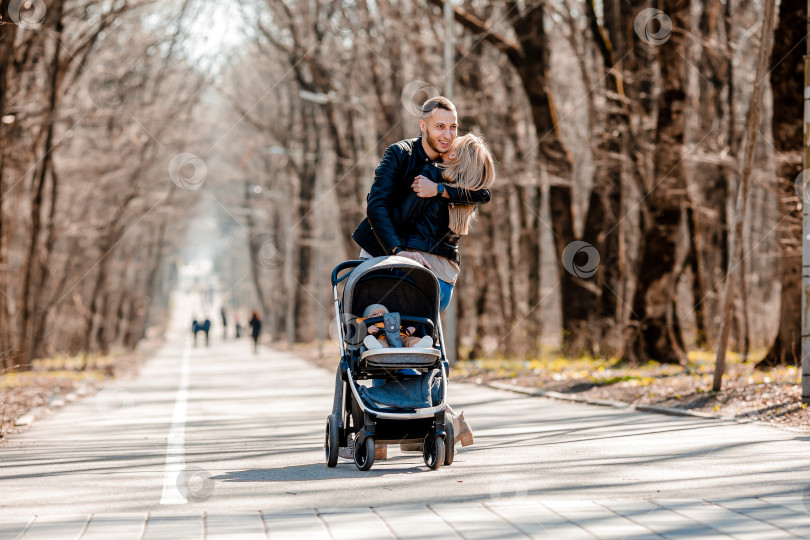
439,129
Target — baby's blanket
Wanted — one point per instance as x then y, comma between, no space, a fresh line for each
415,392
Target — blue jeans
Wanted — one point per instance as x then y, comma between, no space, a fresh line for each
445,294
445,289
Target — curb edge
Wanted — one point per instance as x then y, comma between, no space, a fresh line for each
651,409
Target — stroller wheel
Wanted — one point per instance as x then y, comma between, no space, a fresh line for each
331,444
364,455
433,451
450,447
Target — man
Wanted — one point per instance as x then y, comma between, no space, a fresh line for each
206,327
384,231
195,327
394,180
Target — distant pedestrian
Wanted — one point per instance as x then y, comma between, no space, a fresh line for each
224,323
195,327
206,327
255,329
237,325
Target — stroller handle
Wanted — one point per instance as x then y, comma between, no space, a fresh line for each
341,267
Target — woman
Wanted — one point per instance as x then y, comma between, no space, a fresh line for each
467,174
255,324
432,217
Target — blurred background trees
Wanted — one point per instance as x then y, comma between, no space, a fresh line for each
618,128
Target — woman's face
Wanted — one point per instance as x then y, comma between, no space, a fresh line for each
451,154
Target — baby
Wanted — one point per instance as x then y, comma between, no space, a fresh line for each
372,341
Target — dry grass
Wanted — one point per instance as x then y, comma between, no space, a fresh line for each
23,391
53,378
773,396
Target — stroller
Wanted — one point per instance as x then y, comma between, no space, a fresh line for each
360,417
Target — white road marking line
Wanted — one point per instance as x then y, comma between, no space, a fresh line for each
175,445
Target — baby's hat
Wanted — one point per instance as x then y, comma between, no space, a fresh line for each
372,307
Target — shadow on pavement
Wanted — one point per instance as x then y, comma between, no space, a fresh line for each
317,471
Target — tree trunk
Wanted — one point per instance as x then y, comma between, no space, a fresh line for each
787,80
95,301
8,33
347,178
532,64
32,265
255,242
307,231
707,180
135,318
654,334
744,188
38,324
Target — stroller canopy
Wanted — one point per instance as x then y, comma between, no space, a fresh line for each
400,284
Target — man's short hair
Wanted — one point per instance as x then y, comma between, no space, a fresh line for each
438,102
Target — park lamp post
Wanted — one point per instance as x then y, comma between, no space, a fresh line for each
450,317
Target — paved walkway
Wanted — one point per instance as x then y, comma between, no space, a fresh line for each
220,443
506,516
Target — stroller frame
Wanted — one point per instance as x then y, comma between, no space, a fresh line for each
372,424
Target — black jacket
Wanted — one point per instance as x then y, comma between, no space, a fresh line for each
255,326
396,216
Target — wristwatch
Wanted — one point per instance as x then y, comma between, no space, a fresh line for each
439,190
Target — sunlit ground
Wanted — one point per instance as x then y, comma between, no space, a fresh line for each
602,371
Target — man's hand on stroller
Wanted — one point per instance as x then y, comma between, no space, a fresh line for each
373,329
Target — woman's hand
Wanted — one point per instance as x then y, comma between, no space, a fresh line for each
373,329
423,187
414,256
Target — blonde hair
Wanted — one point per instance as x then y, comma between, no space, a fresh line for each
471,169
